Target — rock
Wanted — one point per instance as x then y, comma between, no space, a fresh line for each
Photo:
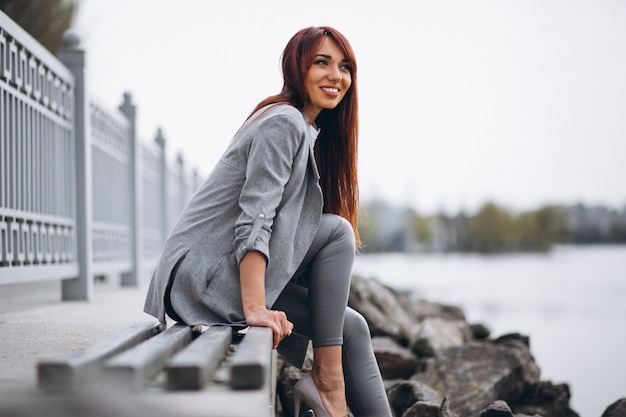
394,360
527,373
419,309
480,331
514,337
434,363
403,394
497,409
436,333
478,373
380,307
444,409
429,409
422,409
546,399
617,409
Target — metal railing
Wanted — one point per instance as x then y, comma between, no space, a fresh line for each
80,195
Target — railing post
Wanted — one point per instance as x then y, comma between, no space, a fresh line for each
160,141
73,57
130,111
181,182
196,180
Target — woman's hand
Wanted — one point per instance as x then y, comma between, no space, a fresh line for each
274,319
252,279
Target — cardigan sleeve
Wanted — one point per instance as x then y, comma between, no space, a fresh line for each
272,150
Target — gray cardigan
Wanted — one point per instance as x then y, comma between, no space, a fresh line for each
262,195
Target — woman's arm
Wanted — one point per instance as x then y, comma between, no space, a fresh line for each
270,156
272,150
252,278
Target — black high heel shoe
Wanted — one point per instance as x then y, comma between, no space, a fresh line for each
306,391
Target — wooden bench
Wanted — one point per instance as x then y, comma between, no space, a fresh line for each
214,372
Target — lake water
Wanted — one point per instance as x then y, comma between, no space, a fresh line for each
571,302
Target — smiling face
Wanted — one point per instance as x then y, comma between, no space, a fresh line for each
328,79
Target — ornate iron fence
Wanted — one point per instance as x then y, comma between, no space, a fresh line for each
80,196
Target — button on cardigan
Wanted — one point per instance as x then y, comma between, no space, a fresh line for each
262,195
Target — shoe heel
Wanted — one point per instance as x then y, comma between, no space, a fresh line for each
305,391
297,402
300,408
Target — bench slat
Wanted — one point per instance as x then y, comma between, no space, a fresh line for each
190,368
251,362
131,369
80,368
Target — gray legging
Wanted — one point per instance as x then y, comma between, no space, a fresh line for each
316,303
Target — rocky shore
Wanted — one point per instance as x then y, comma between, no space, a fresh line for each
436,364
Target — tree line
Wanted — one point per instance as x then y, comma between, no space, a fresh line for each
491,229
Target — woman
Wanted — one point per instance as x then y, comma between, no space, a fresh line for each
269,238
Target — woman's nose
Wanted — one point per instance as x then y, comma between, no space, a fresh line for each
334,74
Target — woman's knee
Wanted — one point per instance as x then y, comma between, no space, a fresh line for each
342,230
355,327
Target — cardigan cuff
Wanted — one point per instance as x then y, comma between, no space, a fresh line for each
255,240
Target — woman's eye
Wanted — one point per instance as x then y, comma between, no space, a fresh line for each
347,68
321,62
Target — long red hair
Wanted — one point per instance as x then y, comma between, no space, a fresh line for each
336,147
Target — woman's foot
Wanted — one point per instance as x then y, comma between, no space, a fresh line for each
332,391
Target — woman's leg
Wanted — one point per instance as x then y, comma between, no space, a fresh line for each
316,300
320,313
365,391
326,272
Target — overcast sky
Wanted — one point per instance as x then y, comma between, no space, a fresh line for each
519,102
